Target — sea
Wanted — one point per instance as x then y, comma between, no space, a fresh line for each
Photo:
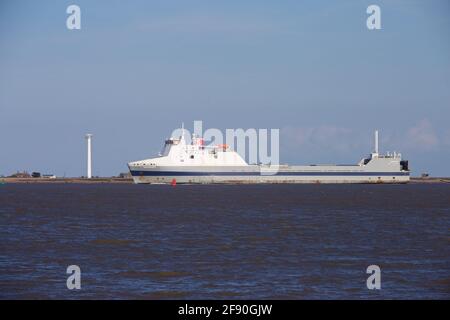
224,241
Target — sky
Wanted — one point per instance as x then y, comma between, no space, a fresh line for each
137,69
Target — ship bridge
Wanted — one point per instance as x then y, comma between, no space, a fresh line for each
176,152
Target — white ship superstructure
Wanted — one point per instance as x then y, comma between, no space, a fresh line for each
181,162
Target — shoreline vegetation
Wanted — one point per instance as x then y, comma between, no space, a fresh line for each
116,180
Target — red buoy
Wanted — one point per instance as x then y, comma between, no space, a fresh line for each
174,182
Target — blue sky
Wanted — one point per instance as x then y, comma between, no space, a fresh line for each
137,69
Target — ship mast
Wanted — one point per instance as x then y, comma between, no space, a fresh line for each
376,141
375,152
182,131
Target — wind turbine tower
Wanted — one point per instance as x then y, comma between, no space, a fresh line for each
89,155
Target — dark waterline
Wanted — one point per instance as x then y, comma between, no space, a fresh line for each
220,242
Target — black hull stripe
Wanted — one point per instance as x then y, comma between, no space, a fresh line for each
137,173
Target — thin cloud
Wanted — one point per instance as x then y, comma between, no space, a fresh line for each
422,136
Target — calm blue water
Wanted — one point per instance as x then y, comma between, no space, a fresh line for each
224,242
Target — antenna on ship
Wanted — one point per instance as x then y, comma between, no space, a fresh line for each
182,130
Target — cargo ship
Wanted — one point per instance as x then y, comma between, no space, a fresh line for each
197,163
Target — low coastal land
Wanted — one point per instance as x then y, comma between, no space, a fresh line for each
67,180
130,181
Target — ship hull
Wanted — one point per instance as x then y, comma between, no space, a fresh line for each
258,175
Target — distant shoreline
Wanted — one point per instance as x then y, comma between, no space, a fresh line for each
430,180
67,180
116,180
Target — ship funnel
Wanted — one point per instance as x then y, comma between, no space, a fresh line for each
376,141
